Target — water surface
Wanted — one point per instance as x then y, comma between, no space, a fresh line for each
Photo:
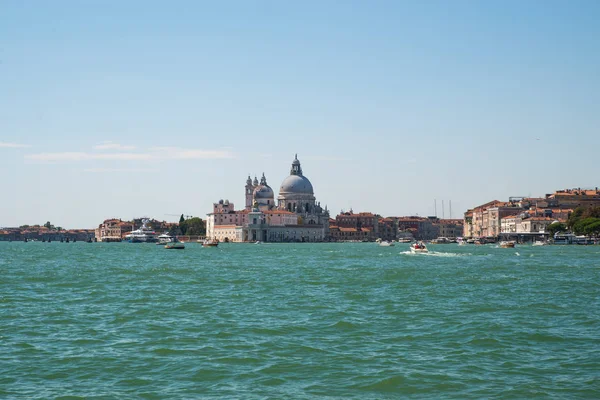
120,320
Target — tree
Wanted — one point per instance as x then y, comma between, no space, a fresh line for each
575,216
593,228
174,230
556,227
182,225
48,225
194,227
585,226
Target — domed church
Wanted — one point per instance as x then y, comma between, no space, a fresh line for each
296,216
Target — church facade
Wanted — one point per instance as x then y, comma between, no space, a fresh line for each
295,216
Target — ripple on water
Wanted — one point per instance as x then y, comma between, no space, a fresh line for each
297,321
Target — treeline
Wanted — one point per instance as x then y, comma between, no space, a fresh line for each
47,225
190,227
585,221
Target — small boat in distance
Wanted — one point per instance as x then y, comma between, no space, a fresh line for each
175,245
507,244
418,247
539,243
441,240
210,243
385,243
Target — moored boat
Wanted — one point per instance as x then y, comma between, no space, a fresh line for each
385,243
507,244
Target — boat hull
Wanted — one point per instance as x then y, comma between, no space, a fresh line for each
417,251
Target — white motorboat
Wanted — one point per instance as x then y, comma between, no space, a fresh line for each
539,243
441,240
385,243
418,247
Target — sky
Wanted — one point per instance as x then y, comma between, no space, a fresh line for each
153,108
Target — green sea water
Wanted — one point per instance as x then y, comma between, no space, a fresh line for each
298,321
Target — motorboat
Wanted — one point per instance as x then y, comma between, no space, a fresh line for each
144,234
418,247
385,243
461,241
405,240
175,245
539,243
210,243
164,239
507,244
441,240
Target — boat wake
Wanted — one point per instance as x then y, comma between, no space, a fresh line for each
436,254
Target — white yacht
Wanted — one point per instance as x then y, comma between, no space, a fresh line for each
142,235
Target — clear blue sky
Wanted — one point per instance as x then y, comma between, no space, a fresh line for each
131,108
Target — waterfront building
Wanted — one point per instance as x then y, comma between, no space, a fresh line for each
295,216
361,226
573,198
109,231
524,227
450,228
388,228
421,228
485,220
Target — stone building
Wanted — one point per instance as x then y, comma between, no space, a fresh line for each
296,216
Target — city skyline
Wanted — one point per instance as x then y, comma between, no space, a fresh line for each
124,110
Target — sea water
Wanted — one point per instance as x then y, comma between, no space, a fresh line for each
120,320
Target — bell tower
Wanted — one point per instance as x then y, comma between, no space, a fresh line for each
248,193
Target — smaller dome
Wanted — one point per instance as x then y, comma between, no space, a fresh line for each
263,192
221,201
226,202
